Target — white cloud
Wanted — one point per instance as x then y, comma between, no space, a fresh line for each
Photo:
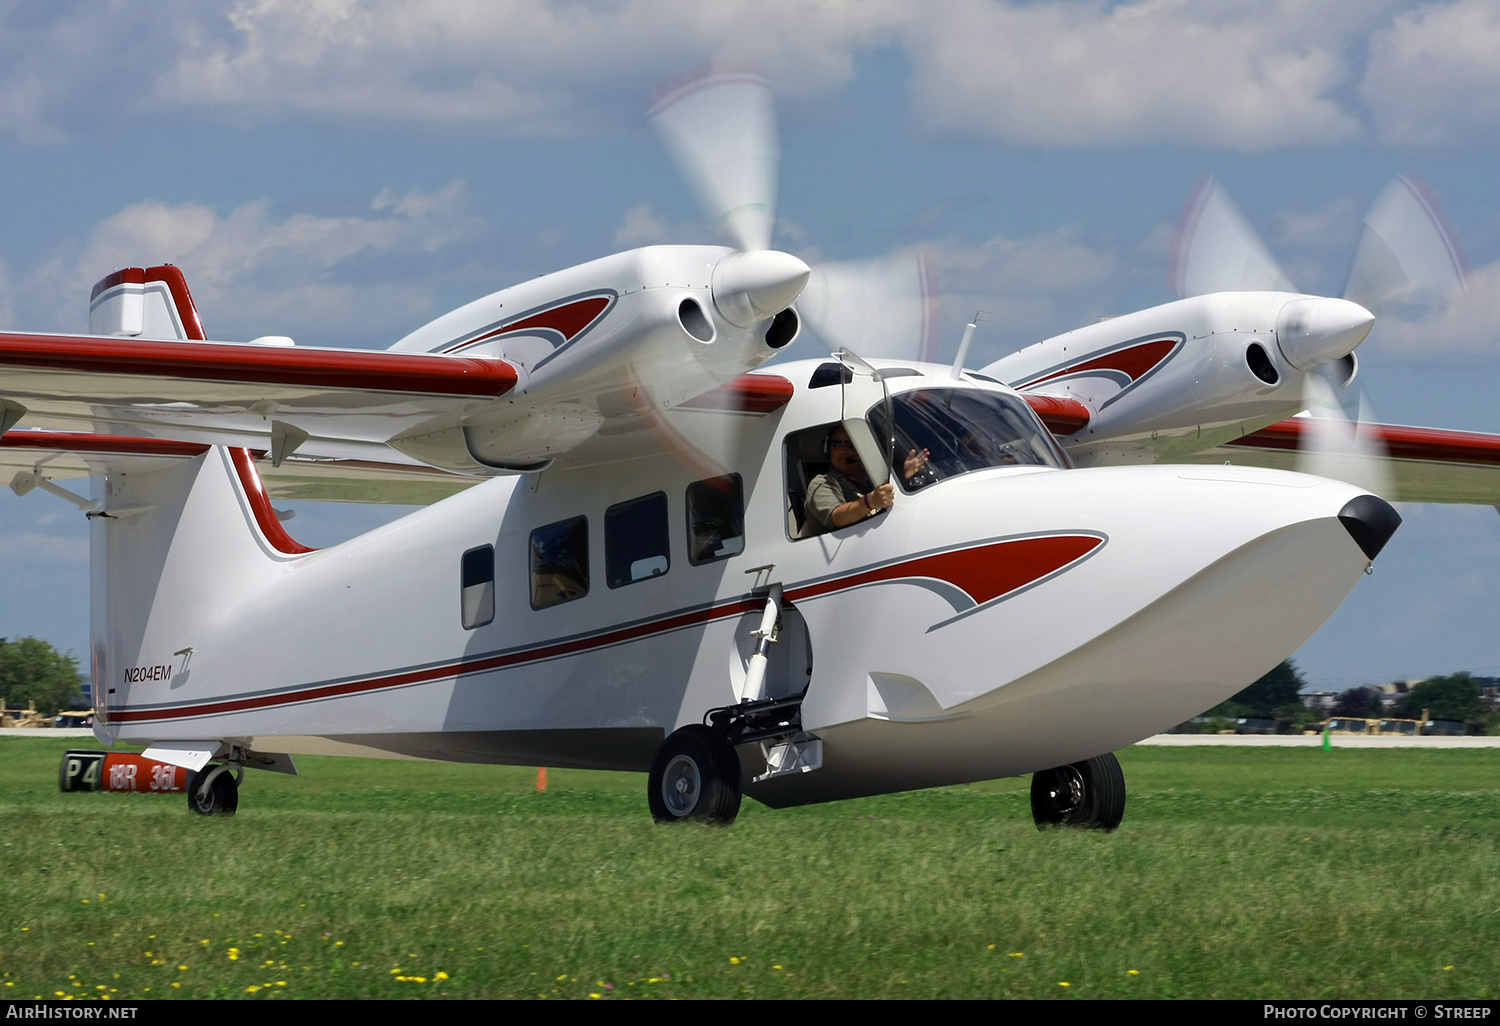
641,227
529,65
1434,75
253,273
1221,72
1228,73
1463,325
1031,288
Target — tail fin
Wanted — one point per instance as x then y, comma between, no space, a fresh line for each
175,553
149,302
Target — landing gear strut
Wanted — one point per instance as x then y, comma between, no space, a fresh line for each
1089,795
696,776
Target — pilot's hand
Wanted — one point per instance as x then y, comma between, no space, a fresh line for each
882,497
916,462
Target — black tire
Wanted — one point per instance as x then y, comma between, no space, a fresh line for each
221,798
695,776
1089,795
729,770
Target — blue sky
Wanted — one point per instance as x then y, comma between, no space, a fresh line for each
343,171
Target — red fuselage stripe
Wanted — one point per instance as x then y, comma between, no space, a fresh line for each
456,669
984,572
338,369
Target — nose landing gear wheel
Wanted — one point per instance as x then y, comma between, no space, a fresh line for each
220,798
696,776
1089,795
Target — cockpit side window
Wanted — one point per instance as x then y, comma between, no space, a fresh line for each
965,430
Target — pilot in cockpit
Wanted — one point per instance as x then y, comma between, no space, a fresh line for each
845,495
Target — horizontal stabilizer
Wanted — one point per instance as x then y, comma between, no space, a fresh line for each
144,302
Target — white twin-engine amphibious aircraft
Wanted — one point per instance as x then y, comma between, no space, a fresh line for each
614,568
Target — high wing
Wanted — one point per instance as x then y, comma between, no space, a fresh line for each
98,403
506,384
233,394
1423,464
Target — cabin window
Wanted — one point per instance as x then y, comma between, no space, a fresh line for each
635,540
559,562
715,519
476,576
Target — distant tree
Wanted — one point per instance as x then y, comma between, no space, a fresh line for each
1361,702
1278,693
1454,697
33,671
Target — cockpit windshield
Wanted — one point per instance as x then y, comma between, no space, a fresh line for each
964,429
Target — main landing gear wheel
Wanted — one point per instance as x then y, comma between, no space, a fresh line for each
1089,795
220,798
696,775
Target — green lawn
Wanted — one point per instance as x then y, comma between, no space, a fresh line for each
1238,872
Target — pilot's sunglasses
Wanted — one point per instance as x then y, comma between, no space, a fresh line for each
840,443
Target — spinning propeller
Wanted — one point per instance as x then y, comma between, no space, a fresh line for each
1406,254
719,126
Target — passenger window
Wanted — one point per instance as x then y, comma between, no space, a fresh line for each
477,587
559,562
715,519
635,540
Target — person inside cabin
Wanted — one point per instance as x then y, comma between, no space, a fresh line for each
845,495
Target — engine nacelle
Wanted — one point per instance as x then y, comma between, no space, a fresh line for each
608,341
1184,376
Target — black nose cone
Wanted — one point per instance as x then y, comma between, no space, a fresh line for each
1370,521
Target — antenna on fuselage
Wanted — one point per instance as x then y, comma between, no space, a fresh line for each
963,345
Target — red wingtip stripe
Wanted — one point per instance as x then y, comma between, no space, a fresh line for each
83,441
340,369
1433,445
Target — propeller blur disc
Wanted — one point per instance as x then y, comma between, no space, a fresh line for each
719,125
1334,446
1406,252
1216,250
884,308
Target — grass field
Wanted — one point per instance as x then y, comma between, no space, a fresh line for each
1238,872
